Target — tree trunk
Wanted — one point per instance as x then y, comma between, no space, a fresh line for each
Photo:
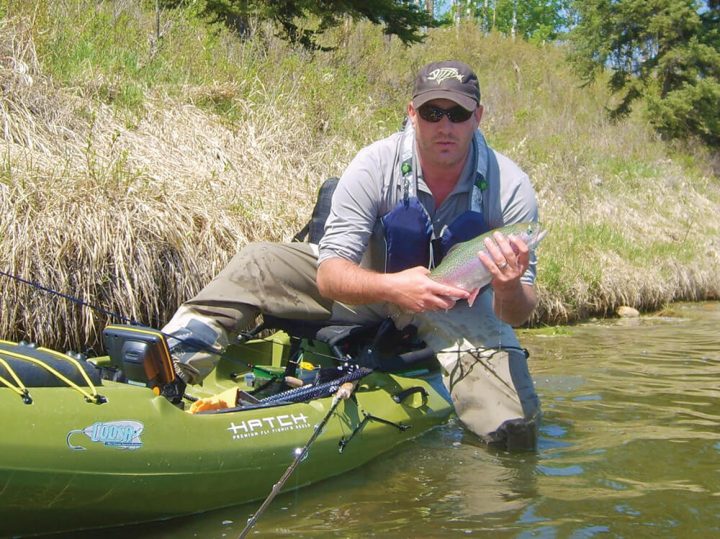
514,20
430,7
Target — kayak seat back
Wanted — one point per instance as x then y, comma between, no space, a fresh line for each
380,346
39,367
314,230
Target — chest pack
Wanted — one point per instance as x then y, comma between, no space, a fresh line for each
410,239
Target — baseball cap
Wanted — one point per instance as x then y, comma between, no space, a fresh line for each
448,79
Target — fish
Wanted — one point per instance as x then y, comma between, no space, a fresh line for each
462,268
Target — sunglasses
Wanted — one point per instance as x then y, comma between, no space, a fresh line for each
433,114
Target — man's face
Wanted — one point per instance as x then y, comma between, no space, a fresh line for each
443,143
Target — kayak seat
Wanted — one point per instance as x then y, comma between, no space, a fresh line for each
39,367
379,346
314,230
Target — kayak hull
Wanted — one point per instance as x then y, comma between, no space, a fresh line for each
69,463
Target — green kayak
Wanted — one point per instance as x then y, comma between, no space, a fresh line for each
106,441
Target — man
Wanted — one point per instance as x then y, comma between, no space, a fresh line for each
399,206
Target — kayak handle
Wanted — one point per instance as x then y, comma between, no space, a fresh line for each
399,397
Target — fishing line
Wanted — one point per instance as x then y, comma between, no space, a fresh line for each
458,373
97,308
134,322
74,299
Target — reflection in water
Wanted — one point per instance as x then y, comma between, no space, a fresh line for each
630,447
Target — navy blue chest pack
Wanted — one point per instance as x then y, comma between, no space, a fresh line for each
410,239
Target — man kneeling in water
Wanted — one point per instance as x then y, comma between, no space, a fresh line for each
399,206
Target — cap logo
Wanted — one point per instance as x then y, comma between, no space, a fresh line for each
442,74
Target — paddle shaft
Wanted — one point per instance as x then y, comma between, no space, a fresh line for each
343,393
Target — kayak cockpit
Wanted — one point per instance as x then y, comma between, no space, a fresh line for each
298,361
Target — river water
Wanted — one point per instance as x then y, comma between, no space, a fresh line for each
629,447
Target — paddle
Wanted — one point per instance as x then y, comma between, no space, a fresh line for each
343,393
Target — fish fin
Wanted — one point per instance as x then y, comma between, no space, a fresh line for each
347,307
473,295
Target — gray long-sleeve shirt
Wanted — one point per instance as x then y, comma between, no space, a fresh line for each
372,185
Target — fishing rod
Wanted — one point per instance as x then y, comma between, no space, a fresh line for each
74,299
116,315
343,393
106,312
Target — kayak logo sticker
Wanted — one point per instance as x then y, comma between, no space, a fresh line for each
268,425
118,434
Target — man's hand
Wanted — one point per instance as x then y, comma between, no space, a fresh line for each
507,259
412,290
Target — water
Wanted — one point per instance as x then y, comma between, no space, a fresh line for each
630,447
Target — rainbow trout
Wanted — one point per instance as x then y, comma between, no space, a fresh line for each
462,268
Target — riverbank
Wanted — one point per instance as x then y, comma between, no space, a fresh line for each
131,173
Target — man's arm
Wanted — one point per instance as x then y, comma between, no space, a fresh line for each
412,289
515,306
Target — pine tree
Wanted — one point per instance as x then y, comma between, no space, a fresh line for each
403,18
664,51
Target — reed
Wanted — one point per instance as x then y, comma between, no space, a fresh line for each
132,170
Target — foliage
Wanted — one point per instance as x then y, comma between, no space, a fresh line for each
533,20
665,50
402,18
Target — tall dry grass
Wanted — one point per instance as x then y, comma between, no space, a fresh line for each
136,218
131,173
